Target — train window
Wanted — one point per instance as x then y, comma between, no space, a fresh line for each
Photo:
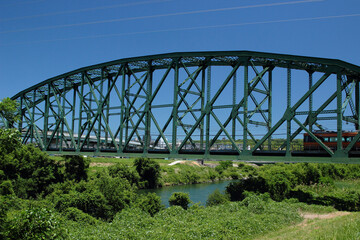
333,139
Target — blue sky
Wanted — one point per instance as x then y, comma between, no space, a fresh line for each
40,39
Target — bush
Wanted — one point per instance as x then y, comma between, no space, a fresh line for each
77,215
91,201
36,223
150,203
31,170
122,170
6,188
117,191
255,203
223,165
255,184
326,181
217,198
279,187
76,167
4,206
180,199
248,170
149,171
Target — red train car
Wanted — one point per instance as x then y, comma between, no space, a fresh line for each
330,140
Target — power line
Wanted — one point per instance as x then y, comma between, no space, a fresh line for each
84,10
19,3
160,15
190,28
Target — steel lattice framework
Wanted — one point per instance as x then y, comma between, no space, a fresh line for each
206,105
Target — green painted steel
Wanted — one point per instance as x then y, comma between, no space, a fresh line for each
190,105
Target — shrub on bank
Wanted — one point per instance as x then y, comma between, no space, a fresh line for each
217,198
76,167
150,203
149,172
122,170
180,199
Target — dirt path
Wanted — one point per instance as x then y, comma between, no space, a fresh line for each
309,216
97,164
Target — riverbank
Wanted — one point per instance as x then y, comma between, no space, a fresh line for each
180,172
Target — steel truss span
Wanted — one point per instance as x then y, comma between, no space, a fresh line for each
237,105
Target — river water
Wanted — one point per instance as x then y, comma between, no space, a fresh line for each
198,192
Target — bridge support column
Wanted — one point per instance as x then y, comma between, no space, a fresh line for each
288,122
339,149
245,151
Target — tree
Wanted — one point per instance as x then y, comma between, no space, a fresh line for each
30,170
149,171
8,112
217,198
123,170
76,167
180,199
150,203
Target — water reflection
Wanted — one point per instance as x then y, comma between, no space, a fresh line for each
198,192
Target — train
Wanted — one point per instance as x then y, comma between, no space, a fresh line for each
330,140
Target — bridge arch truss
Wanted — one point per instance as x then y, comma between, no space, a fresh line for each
213,105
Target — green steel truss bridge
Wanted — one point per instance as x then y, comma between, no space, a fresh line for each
236,105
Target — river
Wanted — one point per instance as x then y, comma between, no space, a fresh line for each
198,192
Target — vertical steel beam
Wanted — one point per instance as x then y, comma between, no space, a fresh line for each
207,110
269,123
100,118
33,116
288,104
123,110
106,140
339,114
357,104
21,114
148,109
233,105
203,76
310,101
175,108
80,113
46,116
127,110
73,108
62,116
246,96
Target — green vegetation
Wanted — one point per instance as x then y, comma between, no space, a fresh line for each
309,183
341,227
8,112
180,199
236,220
61,198
149,172
76,168
217,198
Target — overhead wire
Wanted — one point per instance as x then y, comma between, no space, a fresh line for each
85,10
158,16
189,28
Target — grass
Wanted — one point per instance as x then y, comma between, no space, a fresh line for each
348,184
230,221
341,227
